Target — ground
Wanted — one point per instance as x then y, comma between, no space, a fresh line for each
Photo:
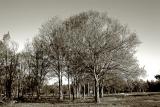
149,100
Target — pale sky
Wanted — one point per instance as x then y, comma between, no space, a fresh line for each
22,18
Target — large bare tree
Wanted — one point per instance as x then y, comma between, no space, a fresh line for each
107,45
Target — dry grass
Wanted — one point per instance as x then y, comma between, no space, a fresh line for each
63,105
110,101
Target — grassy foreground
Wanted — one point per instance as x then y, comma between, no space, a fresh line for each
108,101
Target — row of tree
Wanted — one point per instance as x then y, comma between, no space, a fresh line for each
114,86
87,48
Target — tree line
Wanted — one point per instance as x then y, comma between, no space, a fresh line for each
90,49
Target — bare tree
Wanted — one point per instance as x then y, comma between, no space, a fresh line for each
108,46
52,35
10,63
38,64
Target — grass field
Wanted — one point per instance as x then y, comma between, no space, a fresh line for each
152,100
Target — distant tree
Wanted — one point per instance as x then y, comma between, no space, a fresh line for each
157,77
38,64
27,61
9,59
52,35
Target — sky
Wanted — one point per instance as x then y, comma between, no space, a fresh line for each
23,18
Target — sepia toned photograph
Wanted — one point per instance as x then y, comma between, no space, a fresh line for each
79,53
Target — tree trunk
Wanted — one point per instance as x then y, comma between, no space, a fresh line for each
88,92
38,91
77,91
97,98
73,91
94,90
18,90
60,87
69,88
8,88
101,91
84,90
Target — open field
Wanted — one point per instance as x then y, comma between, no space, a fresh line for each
136,100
